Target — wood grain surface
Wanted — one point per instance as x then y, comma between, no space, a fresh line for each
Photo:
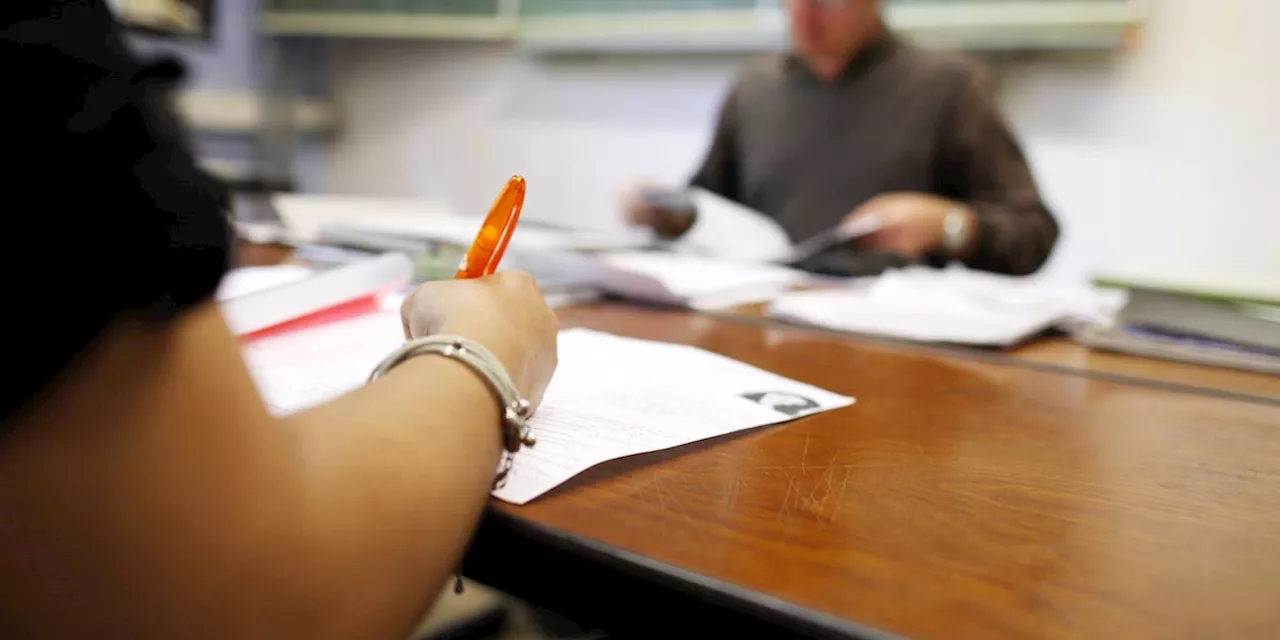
957,499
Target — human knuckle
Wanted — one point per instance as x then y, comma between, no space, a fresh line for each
518,279
406,305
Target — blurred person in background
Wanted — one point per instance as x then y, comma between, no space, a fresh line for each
145,490
854,122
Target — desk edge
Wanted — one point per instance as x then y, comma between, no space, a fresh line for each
505,545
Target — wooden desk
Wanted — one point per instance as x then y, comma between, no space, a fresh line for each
959,498
1064,354
956,499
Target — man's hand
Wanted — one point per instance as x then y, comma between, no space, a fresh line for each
639,213
911,224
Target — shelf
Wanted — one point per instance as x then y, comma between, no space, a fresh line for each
241,113
387,25
1091,24
640,32
976,26
963,24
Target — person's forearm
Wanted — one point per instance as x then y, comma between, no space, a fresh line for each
1010,241
398,473
172,500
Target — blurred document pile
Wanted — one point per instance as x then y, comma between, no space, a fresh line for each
1170,326
692,281
953,305
571,265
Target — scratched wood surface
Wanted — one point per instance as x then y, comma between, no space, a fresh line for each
957,499
1063,352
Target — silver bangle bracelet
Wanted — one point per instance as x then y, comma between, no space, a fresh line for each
515,409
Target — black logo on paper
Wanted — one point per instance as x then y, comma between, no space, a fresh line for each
788,404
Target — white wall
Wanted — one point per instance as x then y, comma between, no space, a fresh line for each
1163,162
230,63
1159,162
454,121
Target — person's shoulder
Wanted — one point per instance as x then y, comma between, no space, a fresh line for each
766,68
761,76
941,68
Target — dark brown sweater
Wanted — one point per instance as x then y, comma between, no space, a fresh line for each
807,152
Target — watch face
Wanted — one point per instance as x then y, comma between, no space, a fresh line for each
676,200
953,228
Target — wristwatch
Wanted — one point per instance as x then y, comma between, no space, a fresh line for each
955,232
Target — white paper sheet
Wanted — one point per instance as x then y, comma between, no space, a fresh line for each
462,230
693,281
249,280
954,305
837,236
1260,311
304,215
298,370
728,230
611,397
252,312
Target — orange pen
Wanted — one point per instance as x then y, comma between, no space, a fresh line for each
486,252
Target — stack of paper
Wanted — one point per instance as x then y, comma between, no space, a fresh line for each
305,215
611,397
462,230
1218,333
692,281
313,218
250,280
954,305
269,299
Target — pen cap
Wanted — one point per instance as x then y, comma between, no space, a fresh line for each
491,243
